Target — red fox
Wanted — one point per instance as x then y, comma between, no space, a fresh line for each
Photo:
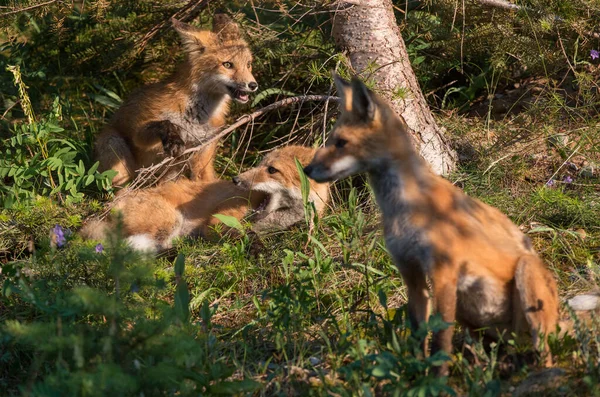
186,109
153,217
483,269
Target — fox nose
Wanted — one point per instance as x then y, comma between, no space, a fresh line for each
236,180
253,86
308,170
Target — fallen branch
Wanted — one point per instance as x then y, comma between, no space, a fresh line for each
144,174
18,10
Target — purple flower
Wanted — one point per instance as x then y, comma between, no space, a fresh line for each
99,248
595,54
567,179
550,183
58,236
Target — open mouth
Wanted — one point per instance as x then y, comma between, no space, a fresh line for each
262,207
239,95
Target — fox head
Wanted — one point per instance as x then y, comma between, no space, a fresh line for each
219,60
367,134
278,177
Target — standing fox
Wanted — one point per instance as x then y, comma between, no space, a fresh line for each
483,269
152,218
187,109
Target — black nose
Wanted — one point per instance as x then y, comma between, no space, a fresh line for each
253,86
236,180
308,170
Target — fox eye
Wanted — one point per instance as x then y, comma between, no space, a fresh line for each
340,143
249,65
272,170
227,65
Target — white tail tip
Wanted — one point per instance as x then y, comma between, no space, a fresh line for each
143,243
584,302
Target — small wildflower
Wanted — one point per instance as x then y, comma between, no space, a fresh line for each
567,179
58,236
135,288
550,183
595,54
99,248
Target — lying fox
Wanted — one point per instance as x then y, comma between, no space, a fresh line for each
483,269
271,192
185,110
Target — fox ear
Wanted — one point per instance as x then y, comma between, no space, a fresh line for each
192,38
362,101
226,28
344,92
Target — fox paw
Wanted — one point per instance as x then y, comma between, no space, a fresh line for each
173,145
169,135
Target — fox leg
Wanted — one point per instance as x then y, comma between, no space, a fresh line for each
113,153
202,163
538,301
165,132
444,283
418,298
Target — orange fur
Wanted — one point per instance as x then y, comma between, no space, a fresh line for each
152,218
183,111
483,269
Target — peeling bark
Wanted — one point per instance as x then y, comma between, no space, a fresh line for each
367,31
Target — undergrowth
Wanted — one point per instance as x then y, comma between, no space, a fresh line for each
310,311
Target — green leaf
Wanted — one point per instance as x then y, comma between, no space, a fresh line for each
382,298
541,229
93,168
270,91
304,183
180,265
182,295
230,221
89,179
182,301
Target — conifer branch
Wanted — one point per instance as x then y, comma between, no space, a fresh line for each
16,11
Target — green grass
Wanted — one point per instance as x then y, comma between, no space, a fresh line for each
303,312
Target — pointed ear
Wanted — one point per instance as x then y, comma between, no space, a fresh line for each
362,101
226,28
344,92
192,38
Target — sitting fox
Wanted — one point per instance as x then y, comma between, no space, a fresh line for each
270,193
185,110
483,269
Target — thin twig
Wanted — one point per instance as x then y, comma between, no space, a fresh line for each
28,8
144,174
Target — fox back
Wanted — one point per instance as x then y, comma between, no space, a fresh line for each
484,271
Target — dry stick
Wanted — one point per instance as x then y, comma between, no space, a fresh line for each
27,8
144,174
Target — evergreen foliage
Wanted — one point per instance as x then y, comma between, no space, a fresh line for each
314,311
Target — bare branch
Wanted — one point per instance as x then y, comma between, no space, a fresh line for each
146,174
28,8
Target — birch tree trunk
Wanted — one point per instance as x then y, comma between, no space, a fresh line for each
366,30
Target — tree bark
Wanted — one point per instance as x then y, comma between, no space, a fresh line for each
366,30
